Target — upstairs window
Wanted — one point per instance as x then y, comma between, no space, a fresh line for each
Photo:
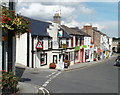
67,42
49,43
60,43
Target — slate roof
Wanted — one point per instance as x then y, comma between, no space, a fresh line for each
99,31
81,32
69,30
74,31
65,34
38,28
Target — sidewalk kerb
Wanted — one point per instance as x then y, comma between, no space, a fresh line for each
87,64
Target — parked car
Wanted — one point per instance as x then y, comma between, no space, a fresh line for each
117,61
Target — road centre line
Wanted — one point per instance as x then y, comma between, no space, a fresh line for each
50,75
50,79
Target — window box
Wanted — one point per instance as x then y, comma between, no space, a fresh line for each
64,46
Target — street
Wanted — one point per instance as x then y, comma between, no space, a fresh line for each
100,78
97,78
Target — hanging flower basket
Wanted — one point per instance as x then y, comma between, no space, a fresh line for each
12,22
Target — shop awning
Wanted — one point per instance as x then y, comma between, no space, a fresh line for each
84,46
77,48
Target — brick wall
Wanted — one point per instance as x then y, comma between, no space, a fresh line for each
95,35
89,31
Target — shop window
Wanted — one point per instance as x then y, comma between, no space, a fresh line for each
76,55
67,42
50,44
86,54
71,56
43,59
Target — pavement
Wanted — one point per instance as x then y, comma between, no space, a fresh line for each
32,88
27,88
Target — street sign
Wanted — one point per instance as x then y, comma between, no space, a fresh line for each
39,45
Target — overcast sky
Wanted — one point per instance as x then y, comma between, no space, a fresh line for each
104,15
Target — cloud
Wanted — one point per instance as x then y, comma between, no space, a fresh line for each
45,12
68,0
72,23
69,13
85,9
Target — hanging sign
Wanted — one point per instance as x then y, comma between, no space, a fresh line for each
84,46
60,33
39,45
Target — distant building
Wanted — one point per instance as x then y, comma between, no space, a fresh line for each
116,45
102,43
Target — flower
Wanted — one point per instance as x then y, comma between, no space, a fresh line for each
29,30
3,70
11,21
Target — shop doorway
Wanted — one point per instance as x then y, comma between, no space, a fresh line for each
54,58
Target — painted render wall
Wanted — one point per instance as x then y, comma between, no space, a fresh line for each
53,32
21,49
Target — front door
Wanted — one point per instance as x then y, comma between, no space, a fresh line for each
54,58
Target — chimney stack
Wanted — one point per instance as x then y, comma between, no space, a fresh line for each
57,18
87,26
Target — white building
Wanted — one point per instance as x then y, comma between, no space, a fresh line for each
34,49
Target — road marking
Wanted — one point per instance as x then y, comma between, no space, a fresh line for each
41,88
44,90
51,76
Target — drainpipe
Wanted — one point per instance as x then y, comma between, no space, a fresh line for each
32,52
10,41
0,49
28,48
